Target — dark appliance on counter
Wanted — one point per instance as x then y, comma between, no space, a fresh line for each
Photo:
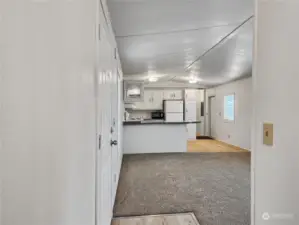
158,115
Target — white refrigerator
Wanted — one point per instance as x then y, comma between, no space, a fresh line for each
174,110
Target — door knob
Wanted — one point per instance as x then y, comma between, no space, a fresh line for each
113,142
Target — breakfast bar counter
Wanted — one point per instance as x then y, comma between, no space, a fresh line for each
155,136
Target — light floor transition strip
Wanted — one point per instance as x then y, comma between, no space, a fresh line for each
166,219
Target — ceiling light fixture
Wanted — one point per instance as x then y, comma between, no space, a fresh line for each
153,79
192,81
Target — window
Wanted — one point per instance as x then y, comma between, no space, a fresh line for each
229,107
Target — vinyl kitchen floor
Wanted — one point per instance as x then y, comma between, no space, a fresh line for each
211,146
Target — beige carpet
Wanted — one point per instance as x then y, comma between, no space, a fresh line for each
215,186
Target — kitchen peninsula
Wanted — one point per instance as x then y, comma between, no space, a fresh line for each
155,136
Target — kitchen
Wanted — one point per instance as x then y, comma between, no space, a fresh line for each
160,120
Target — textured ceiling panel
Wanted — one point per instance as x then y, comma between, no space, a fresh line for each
158,51
162,38
135,17
229,60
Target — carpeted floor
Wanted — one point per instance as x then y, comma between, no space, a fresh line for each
215,186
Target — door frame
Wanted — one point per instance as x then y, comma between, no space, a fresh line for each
209,133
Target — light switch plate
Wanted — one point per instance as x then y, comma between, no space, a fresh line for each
268,134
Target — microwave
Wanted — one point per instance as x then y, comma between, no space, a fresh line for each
158,115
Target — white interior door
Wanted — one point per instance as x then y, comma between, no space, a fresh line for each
104,193
114,136
212,115
104,155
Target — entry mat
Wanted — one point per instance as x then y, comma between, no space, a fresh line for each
163,219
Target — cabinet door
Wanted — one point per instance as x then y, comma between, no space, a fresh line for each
157,97
172,94
167,95
146,103
190,95
148,100
177,94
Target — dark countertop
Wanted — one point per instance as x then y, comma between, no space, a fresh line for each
150,122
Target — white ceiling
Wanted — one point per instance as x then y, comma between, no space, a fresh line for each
174,40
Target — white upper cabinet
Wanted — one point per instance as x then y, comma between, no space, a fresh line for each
190,95
148,99
157,97
153,100
173,95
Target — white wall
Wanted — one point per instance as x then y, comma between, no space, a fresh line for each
47,116
237,133
275,85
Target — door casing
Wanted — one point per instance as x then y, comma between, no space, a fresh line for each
211,114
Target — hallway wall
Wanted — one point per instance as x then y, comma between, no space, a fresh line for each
237,133
48,138
275,85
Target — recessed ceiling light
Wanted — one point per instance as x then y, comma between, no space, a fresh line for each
193,79
153,79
